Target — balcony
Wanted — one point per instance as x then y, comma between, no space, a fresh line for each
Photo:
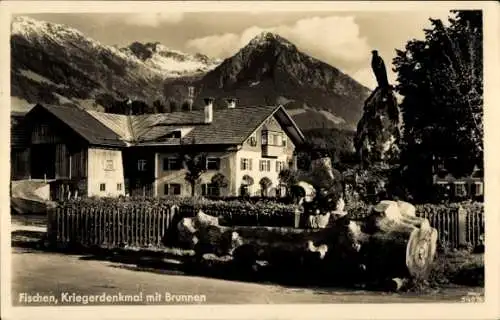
272,143
271,151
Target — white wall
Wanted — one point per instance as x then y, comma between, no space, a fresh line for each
99,172
178,176
255,173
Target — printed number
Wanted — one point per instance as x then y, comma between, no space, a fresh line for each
473,299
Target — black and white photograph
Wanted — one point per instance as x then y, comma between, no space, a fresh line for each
192,156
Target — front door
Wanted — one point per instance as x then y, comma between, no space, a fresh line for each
43,161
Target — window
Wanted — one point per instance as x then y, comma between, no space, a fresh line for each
273,138
280,165
172,189
119,187
460,190
246,164
209,189
173,135
265,165
171,164
213,163
109,165
284,140
141,165
476,188
253,140
102,187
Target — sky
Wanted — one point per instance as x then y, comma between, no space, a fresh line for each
342,39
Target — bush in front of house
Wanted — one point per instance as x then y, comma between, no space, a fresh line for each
232,211
151,222
459,267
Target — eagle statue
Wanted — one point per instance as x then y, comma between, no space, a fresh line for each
379,70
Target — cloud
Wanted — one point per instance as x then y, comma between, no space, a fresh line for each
333,39
366,77
154,19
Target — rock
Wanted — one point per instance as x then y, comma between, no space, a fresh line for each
389,209
318,221
321,249
201,220
186,232
378,130
407,208
189,227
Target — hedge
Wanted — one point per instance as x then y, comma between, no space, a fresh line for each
233,212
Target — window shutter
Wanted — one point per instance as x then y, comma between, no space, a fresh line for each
250,164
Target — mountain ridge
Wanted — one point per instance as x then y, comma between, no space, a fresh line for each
272,70
55,64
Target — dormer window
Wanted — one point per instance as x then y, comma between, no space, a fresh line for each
174,135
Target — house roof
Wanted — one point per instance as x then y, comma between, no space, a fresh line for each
84,125
228,126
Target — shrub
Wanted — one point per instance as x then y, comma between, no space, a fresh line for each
458,267
233,211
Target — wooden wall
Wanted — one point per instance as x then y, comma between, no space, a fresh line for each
44,132
19,163
79,162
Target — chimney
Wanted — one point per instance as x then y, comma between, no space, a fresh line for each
231,103
209,109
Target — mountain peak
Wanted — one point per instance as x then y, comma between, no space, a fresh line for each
266,37
26,26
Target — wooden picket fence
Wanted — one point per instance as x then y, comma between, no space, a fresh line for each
137,227
157,227
458,228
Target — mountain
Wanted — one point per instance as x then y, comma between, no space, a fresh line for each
270,69
55,64
172,62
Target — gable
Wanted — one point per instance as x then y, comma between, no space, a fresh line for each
81,123
279,121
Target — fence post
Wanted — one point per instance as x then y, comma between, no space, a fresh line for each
297,222
52,226
462,226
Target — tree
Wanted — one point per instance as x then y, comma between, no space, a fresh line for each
441,81
288,177
219,180
265,183
195,163
246,182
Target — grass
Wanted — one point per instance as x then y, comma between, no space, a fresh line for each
458,267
